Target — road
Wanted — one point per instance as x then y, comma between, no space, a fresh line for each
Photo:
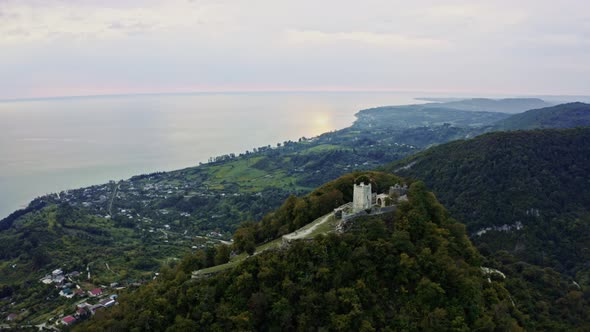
112,199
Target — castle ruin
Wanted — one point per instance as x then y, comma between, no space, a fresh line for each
362,197
365,202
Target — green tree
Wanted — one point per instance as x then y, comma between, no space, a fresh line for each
244,240
222,253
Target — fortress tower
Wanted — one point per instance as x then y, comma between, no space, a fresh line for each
361,198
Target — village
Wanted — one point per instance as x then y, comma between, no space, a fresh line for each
152,205
71,285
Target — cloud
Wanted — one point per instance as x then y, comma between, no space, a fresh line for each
388,40
154,45
563,39
55,19
484,13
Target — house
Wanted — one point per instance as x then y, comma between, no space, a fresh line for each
59,279
68,320
11,317
107,302
95,308
47,280
66,292
82,312
95,292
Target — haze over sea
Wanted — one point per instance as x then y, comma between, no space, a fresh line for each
57,144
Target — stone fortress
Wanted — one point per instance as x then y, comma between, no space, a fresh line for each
365,202
362,197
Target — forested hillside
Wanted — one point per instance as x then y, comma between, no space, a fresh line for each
561,116
526,192
507,105
411,270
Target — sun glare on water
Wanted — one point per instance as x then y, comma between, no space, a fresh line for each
321,123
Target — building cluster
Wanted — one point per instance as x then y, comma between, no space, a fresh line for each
100,198
66,283
84,309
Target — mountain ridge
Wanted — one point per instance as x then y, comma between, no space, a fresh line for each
537,178
560,116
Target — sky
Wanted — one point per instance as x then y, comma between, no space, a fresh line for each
89,47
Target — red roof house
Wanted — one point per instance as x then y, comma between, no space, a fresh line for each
81,312
68,320
95,292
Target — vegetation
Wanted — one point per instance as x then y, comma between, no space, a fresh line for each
550,300
561,116
134,226
298,212
536,178
508,105
412,270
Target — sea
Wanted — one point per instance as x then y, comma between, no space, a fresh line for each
50,145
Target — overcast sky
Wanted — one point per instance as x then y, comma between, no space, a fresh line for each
87,47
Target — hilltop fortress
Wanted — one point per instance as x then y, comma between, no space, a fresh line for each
362,197
365,202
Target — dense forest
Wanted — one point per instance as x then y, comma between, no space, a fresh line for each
526,192
561,116
414,269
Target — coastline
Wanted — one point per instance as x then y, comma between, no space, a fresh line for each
335,115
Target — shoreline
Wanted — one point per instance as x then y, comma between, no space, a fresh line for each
86,172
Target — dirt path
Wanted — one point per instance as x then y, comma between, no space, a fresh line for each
112,199
303,233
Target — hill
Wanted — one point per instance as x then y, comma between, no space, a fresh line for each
426,115
508,105
525,192
409,270
560,116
